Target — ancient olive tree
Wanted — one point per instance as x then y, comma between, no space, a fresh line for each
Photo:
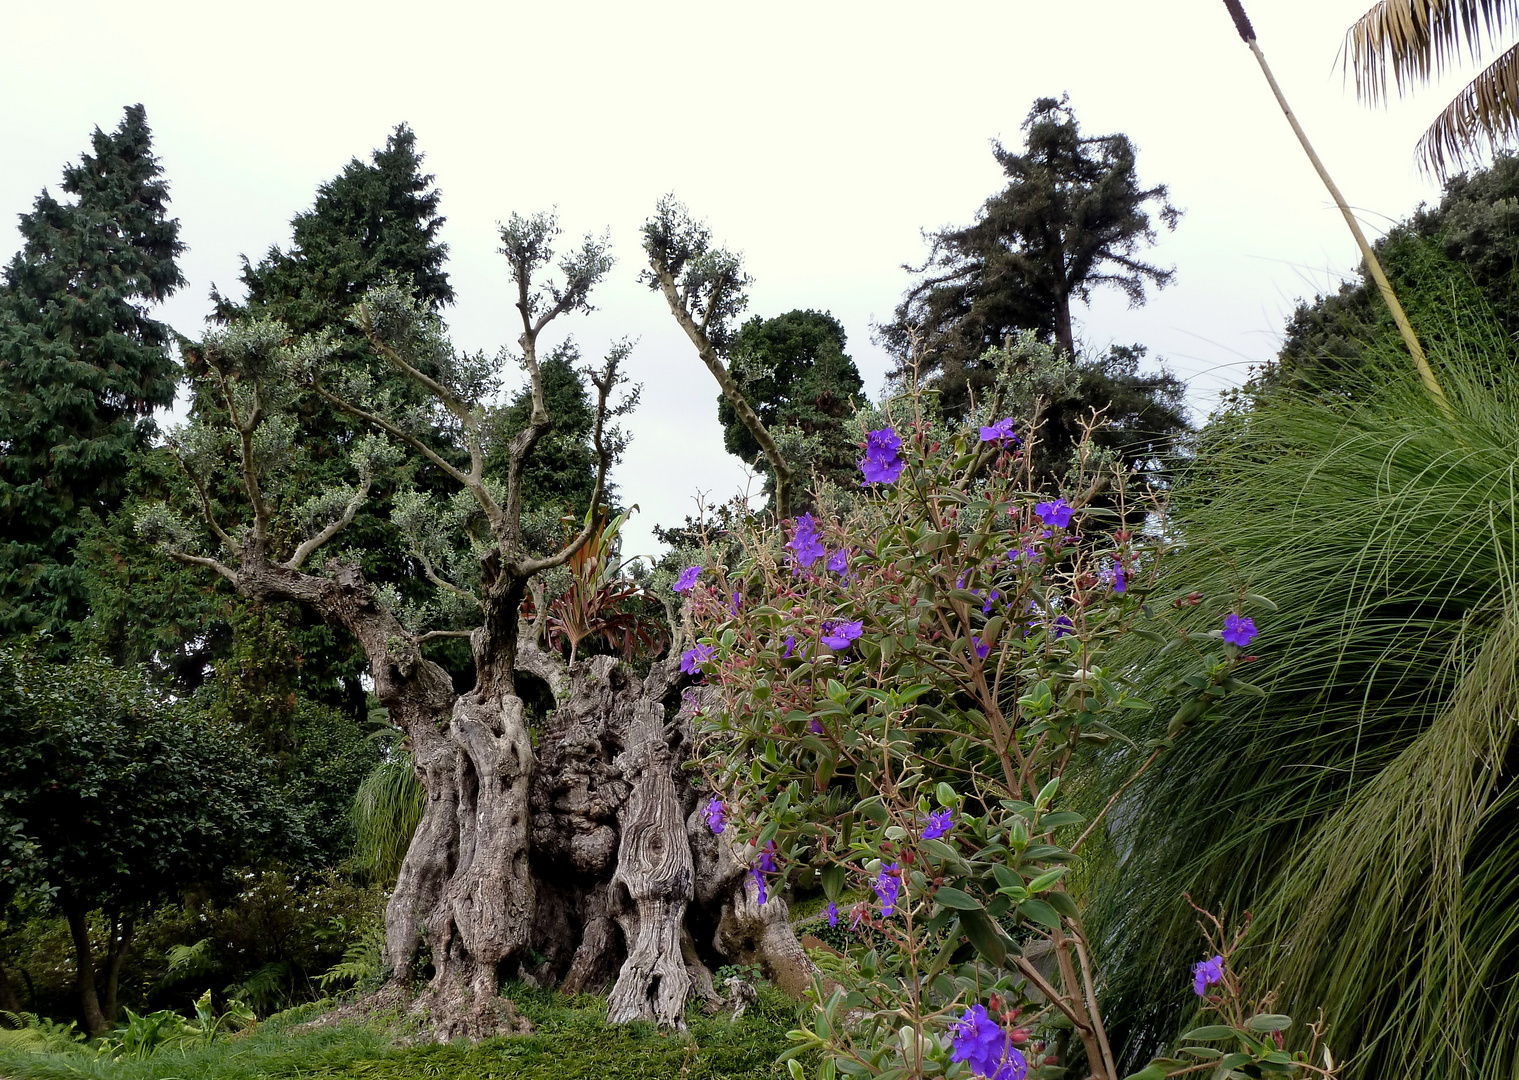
564,845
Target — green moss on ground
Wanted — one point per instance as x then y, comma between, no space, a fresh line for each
572,1041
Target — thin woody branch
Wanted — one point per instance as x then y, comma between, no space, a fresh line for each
604,386
303,552
202,560
679,307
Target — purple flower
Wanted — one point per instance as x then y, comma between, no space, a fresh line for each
1001,431
838,635
767,859
790,645
733,605
1028,555
1057,513
1239,630
882,464
982,648
816,725
1120,583
991,598
980,1041
714,811
687,578
692,659
939,823
759,885
888,886
1205,973
1063,626
833,913
838,562
805,543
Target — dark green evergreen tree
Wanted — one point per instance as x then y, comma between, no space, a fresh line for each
82,367
371,223
375,222
794,372
562,473
1072,218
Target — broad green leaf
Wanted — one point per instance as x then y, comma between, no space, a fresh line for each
955,898
1210,1032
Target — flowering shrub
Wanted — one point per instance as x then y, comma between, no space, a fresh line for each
1251,1034
900,693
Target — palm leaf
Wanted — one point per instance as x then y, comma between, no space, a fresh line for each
386,811
1485,112
1416,40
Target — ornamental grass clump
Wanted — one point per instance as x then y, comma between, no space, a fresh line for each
897,736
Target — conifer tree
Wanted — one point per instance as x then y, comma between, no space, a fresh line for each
82,366
801,383
1072,219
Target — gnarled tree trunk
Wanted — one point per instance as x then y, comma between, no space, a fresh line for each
570,854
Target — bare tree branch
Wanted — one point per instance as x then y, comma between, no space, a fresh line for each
680,308
303,552
201,560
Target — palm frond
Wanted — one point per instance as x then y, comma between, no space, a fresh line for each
1416,40
1485,113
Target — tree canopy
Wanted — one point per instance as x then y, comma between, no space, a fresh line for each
1072,219
794,371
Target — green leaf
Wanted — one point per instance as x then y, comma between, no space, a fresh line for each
985,936
1040,912
1048,878
1006,877
945,795
1210,1032
955,898
833,881
1268,1022
1153,1071
1063,903
1047,793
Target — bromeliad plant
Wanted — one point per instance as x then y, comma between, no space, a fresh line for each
900,695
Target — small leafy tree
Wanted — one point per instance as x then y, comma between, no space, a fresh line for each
124,798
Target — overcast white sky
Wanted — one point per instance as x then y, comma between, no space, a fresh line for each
818,138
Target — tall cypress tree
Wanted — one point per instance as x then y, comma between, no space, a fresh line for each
82,366
375,222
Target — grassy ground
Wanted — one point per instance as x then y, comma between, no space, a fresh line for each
572,1042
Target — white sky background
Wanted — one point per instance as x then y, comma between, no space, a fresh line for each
818,138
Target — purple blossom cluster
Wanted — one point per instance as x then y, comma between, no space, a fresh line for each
939,823
693,658
1239,630
716,819
806,545
1056,514
839,635
1206,973
981,1042
888,886
882,463
999,432
687,579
